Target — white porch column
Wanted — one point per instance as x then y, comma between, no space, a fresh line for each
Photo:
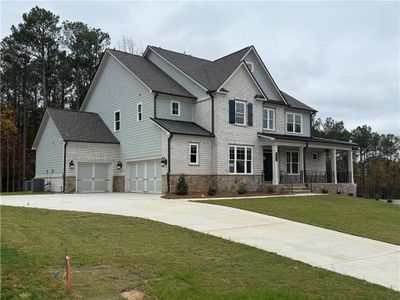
275,165
333,160
301,162
350,162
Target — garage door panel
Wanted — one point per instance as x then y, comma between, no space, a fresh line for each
93,177
145,176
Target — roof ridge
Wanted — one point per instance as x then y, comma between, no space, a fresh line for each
233,53
75,111
109,49
205,59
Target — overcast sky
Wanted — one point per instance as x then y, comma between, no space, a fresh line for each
341,58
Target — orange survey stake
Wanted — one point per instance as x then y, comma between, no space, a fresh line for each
69,290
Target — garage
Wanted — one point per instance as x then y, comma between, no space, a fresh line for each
94,178
144,176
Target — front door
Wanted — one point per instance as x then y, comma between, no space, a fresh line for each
268,166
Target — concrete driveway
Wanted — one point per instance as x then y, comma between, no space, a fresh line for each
366,259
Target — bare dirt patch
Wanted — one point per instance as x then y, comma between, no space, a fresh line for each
134,295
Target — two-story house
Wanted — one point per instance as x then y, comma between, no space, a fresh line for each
148,119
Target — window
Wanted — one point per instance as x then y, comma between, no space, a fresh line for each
117,120
194,154
292,162
175,108
315,156
250,65
293,123
240,112
269,118
139,113
240,159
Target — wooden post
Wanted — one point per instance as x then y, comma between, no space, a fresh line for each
69,289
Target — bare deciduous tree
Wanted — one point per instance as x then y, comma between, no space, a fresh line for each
127,44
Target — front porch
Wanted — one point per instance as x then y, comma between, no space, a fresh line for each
316,164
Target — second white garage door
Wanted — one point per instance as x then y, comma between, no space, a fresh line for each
144,176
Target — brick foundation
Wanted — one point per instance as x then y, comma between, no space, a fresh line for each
343,188
70,184
118,184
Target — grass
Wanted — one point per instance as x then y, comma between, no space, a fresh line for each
110,254
23,193
358,216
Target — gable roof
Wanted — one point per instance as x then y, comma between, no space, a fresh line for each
210,74
182,127
293,102
153,77
78,126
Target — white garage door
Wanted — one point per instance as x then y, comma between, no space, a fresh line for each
144,176
93,177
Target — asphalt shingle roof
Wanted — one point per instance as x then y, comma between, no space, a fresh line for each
210,74
81,126
293,102
182,127
150,74
306,138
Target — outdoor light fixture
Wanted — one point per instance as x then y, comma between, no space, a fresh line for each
119,165
71,164
164,161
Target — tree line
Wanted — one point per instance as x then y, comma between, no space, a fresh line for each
46,62
376,158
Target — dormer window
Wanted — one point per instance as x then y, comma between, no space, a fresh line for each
250,65
175,108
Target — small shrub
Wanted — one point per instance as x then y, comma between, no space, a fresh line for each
212,191
241,189
325,191
270,190
182,185
389,201
339,191
359,195
350,194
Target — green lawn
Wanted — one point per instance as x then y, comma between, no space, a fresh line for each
358,216
23,193
114,253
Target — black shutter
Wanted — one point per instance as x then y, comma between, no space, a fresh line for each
231,111
250,114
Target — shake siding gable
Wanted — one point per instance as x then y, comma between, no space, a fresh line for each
180,78
50,151
117,89
262,78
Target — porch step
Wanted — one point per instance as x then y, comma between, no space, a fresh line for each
297,189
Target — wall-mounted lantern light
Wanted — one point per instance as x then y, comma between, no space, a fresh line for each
164,161
119,165
71,164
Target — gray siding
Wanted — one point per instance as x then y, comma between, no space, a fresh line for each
182,79
118,89
202,113
164,108
50,151
262,78
305,122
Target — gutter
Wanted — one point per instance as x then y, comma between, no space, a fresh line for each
155,104
212,111
65,161
169,164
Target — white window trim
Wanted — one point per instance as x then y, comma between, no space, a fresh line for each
244,114
115,121
197,154
245,159
294,122
137,112
273,123
250,65
179,108
291,162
